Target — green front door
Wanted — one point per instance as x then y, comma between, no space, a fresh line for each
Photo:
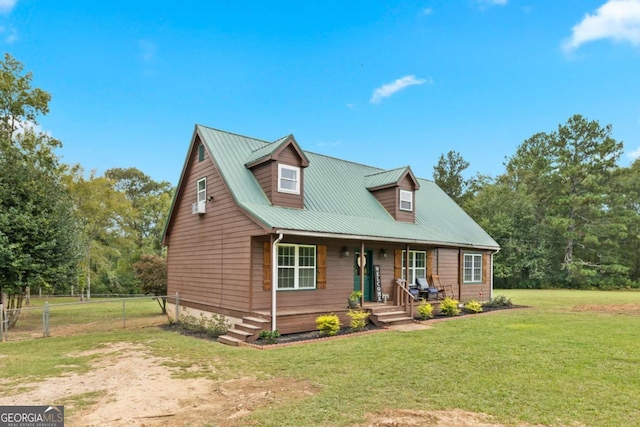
368,274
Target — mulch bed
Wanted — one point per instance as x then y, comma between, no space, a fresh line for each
303,337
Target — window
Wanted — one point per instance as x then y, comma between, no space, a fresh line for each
417,265
472,269
296,267
406,200
288,179
200,152
202,190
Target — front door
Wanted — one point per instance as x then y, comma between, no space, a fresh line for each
368,274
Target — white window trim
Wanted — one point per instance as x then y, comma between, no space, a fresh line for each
201,195
413,268
476,264
280,178
296,267
403,198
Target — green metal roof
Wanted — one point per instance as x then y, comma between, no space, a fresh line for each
266,150
337,201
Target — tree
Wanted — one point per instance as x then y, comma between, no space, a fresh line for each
447,173
150,201
37,227
568,174
20,104
151,271
99,210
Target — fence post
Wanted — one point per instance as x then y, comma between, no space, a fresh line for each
45,319
177,319
123,315
1,322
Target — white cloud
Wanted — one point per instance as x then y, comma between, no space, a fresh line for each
618,20
634,154
12,37
389,89
148,50
7,5
427,11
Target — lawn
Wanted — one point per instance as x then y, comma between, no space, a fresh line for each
570,359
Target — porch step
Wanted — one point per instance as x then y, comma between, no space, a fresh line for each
226,339
238,333
248,330
390,317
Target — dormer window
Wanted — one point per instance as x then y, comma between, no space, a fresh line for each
288,179
406,200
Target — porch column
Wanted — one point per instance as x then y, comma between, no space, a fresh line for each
406,265
363,260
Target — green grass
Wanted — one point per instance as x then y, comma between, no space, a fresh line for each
68,316
552,364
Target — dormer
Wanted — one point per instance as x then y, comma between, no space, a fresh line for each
279,169
395,190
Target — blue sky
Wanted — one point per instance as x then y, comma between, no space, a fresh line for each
382,83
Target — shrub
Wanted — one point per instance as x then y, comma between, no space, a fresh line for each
358,319
473,306
425,310
328,324
270,337
499,301
213,326
449,307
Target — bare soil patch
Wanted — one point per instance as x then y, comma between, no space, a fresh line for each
610,308
130,387
452,418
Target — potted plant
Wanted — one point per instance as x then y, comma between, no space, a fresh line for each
354,299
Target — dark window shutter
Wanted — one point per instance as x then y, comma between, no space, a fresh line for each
397,264
321,263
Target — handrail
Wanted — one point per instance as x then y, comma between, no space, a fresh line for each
405,297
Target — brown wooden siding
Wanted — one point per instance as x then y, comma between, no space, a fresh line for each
264,175
405,184
208,254
339,275
477,291
285,199
289,156
446,266
387,198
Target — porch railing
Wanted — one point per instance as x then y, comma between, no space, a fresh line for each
404,298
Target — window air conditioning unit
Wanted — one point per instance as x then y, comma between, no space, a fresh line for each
197,208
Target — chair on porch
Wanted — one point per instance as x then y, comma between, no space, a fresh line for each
427,291
445,290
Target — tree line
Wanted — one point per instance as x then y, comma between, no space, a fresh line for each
564,212
62,230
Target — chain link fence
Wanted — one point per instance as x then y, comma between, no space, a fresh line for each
42,319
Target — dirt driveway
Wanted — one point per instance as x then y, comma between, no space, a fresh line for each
130,387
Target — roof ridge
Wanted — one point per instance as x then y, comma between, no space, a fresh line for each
233,133
343,160
390,170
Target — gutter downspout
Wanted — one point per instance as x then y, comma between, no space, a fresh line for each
274,279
